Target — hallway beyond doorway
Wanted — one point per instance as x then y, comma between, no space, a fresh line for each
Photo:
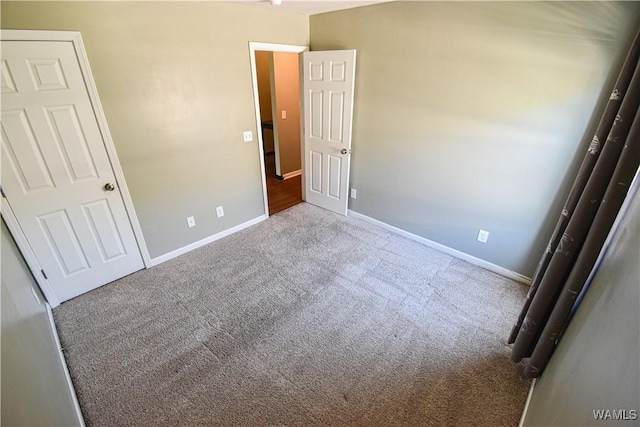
282,194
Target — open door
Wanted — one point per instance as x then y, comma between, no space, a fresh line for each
328,83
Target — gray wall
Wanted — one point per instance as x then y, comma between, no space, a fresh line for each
175,83
471,115
597,362
467,115
34,391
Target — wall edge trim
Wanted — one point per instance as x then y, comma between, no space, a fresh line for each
292,174
195,245
526,405
63,362
447,250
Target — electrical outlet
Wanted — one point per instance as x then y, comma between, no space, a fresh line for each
284,114
483,236
354,193
191,222
220,211
247,136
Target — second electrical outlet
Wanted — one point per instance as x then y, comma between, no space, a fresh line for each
220,211
483,236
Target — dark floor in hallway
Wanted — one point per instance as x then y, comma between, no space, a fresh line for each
281,194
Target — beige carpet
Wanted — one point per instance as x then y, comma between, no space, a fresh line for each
308,318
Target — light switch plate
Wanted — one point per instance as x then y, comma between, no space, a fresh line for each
247,136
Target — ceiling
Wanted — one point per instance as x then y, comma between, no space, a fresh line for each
309,7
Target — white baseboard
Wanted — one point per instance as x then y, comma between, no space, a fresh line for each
447,250
63,362
195,245
526,405
292,174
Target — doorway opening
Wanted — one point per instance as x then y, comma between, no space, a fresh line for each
276,83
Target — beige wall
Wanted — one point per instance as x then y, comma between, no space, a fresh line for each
264,83
287,90
596,364
263,75
470,115
175,83
467,115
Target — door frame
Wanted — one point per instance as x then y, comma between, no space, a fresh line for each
271,47
12,223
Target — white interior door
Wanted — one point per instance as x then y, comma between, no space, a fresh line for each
328,82
56,174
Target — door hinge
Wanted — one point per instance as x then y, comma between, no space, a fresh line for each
2,192
44,274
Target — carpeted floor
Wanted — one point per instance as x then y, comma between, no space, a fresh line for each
308,318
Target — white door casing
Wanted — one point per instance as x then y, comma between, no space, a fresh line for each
54,169
328,87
